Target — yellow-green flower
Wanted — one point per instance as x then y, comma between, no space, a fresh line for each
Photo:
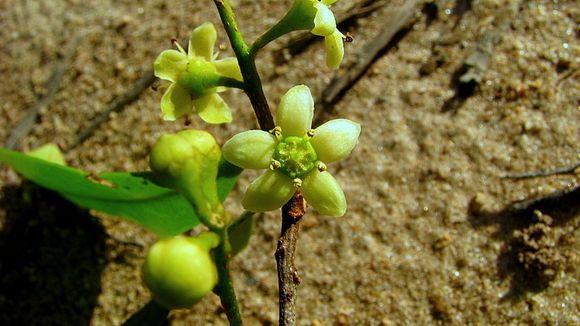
321,22
196,78
315,16
296,156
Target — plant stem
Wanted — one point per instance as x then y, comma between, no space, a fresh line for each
273,33
288,279
253,85
230,82
225,287
295,19
292,211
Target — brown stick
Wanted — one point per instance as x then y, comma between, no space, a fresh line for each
369,53
288,279
52,86
117,105
569,170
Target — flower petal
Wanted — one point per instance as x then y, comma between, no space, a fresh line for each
213,109
229,67
270,191
294,114
202,42
324,22
252,149
334,49
170,64
322,191
335,139
175,102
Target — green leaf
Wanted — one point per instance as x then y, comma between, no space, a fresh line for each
135,196
49,152
240,231
152,314
227,177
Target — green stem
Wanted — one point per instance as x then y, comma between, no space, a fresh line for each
273,33
253,85
230,82
296,18
225,287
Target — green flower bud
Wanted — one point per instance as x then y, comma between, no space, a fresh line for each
188,162
179,271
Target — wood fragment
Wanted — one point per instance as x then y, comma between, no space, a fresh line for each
569,197
401,21
117,105
52,86
288,279
534,174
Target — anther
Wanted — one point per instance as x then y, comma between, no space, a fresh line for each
176,44
348,38
321,167
275,165
310,133
297,182
277,131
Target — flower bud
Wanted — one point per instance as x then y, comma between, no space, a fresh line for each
179,271
188,162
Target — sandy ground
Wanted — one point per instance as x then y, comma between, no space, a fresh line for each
431,237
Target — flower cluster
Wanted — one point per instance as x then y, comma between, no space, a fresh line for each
296,156
196,77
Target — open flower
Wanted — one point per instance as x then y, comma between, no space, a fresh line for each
296,156
196,78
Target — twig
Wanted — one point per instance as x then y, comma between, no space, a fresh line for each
298,43
534,174
117,105
557,199
52,85
288,279
370,52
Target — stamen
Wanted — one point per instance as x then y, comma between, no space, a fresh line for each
174,42
162,86
310,133
277,131
321,166
297,182
275,165
348,38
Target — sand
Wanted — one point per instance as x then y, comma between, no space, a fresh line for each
431,236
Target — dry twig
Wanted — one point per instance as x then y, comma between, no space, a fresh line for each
52,86
534,174
288,279
369,53
117,105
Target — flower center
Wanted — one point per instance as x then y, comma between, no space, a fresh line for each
199,79
296,156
